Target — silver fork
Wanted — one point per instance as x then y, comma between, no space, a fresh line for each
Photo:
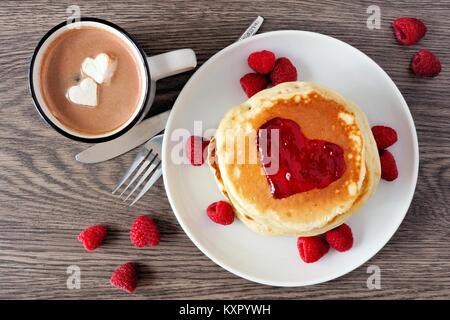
146,168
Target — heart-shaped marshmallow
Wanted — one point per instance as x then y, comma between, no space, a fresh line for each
85,93
303,164
101,68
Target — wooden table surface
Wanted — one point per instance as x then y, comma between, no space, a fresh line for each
46,197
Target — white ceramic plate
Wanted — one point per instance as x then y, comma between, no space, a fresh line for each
215,88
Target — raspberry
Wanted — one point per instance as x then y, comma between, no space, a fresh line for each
312,249
253,83
195,150
408,30
425,64
340,238
284,71
92,237
389,170
144,232
261,61
384,136
221,212
125,277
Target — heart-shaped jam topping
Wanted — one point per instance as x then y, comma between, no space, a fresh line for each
303,164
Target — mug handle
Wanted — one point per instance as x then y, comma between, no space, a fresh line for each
167,64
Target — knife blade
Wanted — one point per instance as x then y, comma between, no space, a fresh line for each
130,140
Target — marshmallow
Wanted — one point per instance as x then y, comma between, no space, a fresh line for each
85,93
101,68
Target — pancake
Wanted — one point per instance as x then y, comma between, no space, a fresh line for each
321,115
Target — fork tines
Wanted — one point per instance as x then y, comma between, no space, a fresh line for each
145,168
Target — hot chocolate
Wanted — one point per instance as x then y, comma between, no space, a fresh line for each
90,80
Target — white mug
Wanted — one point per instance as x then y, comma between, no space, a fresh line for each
152,68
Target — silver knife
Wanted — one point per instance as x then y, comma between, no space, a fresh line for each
130,140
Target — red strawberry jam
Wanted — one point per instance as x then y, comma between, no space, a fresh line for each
304,164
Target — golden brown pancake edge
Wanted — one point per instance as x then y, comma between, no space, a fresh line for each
271,224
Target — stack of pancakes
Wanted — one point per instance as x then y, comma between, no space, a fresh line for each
322,114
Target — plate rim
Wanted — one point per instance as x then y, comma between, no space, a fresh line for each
331,276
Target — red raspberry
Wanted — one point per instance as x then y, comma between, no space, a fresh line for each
408,30
340,238
261,61
125,277
389,170
253,83
195,150
312,249
384,136
425,64
221,212
144,232
284,71
92,237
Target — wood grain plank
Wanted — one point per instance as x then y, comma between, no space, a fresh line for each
46,197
